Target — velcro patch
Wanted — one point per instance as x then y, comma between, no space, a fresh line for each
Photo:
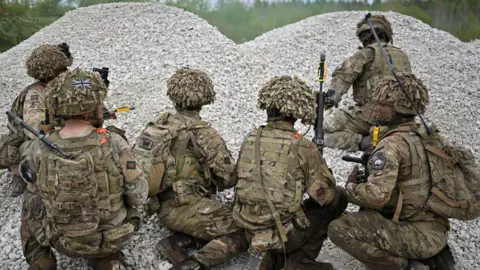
227,161
146,144
33,97
131,165
378,161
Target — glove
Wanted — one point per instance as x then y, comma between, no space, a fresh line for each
330,99
352,178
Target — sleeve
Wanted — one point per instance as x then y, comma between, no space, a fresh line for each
348,72
219,159
383,167
318,177
31,151
33,110
135,185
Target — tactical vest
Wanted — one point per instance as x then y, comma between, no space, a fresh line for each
286,190
81,193
369,78
169,145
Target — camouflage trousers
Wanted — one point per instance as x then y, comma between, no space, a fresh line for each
208,220
309,241
31,216
344,128
380,243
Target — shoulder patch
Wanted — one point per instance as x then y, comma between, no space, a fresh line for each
34,97
146,144
378,161
131,165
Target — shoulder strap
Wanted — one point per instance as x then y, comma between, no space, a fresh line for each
268,196
202,156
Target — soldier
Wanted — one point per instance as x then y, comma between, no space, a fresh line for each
344,128
276,166
44,64
80,205
196,162
397,227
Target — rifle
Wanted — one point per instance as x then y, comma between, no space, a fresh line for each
103,74
321,97
26,172
18,121
113,114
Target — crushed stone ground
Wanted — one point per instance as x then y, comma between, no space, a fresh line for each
143,44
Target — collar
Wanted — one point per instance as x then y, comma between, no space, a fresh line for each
282,125
189,115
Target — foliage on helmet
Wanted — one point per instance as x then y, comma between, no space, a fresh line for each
291,96
46,62
388,92
75,92
190,88
379,22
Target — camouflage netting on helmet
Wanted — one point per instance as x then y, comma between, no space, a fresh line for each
388,91
190,88
75,92
291,96
378,22
46,62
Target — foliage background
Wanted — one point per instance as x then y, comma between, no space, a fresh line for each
242,22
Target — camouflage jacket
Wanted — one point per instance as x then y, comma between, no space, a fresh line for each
291,166
365,68
390,166
217,157
135,187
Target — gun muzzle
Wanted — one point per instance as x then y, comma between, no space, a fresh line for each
353,159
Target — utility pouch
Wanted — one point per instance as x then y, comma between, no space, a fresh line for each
186,193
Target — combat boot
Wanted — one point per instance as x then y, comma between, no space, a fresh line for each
442,261
44,263
18,186
112,262
175,247
299,261
189,264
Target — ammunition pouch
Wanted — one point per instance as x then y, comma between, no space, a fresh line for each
118,131
187,192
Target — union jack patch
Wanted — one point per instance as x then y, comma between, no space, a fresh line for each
82,84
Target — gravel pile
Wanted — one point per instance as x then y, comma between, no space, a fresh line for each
143,44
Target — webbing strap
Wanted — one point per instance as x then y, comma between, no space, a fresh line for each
443,197
258,171
200,153
437,151
398,209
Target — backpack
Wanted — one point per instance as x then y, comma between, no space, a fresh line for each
153,149
454,177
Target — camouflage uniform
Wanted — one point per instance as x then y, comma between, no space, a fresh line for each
344,127
397,227
202,165
271,209
44,64
119,184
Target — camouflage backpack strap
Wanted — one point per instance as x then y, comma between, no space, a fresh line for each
268,196
202,156
415,173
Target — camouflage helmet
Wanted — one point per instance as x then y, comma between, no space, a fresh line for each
388,92
46,62
291,96
75,92
379,22
190,88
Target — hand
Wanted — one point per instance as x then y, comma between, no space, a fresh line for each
352,178
329,99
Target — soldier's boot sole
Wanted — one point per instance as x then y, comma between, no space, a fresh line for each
175,247
112,262
44,263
